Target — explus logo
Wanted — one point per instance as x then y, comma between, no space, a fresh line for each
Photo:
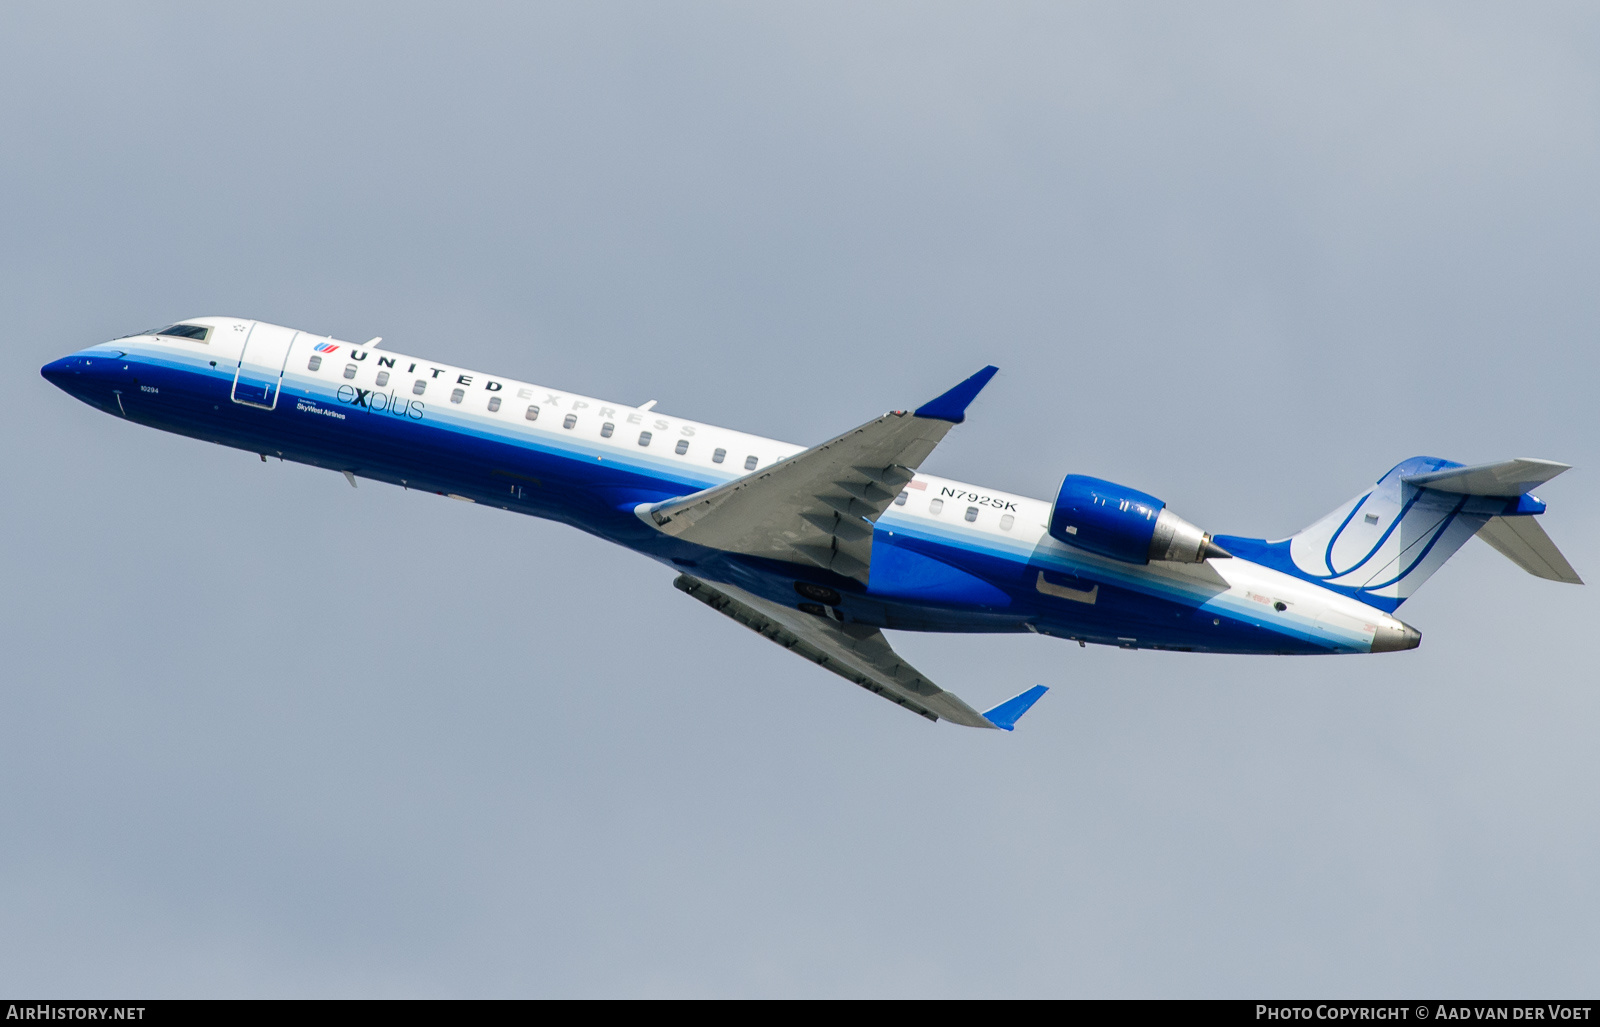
380,402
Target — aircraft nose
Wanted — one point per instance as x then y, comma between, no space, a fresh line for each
60,372
86,375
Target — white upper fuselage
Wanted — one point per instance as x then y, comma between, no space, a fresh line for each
1001,537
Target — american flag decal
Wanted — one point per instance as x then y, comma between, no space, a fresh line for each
325,347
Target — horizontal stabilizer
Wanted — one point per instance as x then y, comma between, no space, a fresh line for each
1506,478
1006,715
1522,541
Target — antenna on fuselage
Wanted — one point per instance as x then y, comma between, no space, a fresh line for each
648,405
372,343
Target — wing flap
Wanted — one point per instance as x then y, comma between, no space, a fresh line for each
856,653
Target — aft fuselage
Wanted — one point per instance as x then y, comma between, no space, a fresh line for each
947,556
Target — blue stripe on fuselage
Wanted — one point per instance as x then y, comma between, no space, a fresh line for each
595,487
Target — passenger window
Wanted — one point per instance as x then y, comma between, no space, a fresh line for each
936,505
494,404
314,363
718,456
606,430
644,438
419,386
972,514
682,447
349,370
383,378
900,500
1006,522
749,463
569,420
457,395
532,414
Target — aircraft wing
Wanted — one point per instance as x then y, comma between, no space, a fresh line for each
819,506
854,652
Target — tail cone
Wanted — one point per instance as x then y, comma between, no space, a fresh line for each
1395,637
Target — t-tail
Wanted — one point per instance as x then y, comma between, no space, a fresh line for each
1382,545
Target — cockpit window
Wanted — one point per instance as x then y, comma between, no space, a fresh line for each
199,333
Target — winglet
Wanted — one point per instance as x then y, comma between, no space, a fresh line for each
1006,715
952,406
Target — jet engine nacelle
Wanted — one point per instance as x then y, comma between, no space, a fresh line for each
1125,524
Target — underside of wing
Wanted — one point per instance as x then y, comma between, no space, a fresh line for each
819,506
854,652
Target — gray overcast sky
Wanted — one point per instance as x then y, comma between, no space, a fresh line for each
268,735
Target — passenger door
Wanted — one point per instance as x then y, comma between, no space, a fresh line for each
266,349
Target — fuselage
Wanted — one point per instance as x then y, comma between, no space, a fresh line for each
946,556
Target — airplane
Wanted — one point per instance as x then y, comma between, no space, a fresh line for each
821,549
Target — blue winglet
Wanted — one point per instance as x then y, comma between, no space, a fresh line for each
952,406
1006,715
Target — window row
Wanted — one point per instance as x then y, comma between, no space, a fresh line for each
418,387
607,429
936,507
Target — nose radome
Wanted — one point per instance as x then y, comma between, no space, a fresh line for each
1394,637
56,372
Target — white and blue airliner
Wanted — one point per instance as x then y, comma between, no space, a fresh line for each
820,549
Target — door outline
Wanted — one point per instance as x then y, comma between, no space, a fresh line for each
276,383
1077,595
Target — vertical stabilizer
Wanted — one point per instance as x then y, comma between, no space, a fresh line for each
1382,545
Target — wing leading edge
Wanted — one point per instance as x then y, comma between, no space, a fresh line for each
857,653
